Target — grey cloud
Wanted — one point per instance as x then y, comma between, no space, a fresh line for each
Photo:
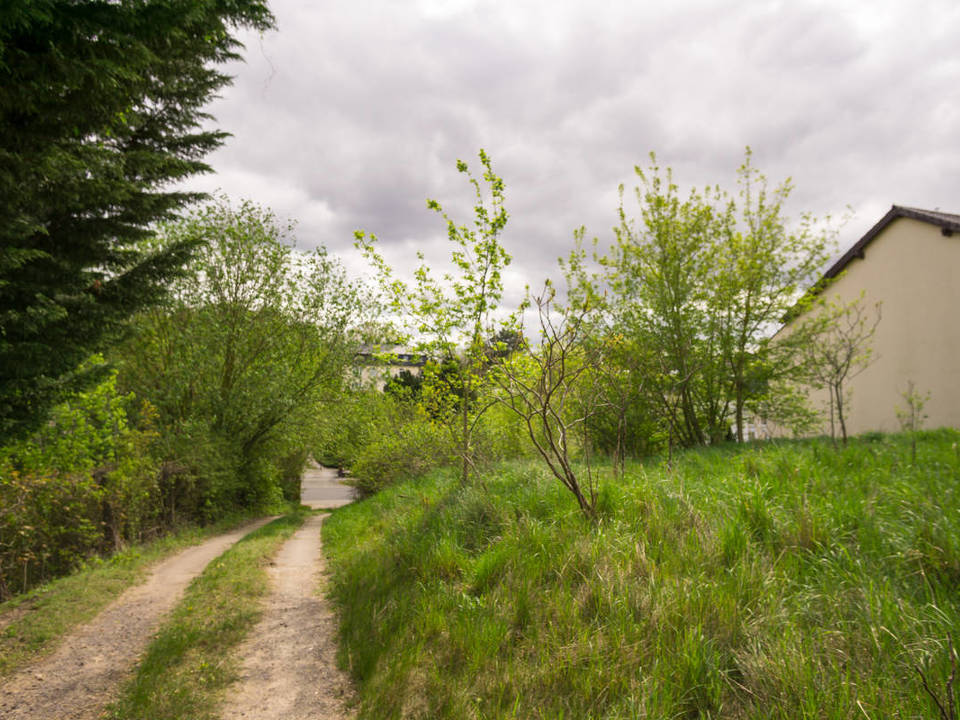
352,114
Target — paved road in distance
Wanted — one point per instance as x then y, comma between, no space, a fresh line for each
320,488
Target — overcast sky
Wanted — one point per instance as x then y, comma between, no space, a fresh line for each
351,114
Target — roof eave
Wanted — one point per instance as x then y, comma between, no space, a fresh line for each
895,211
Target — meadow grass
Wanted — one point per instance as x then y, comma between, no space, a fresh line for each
31,624
788,580
189,663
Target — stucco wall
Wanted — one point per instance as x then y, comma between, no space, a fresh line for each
914,271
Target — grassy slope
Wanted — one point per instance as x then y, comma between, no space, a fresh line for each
32,623
786,581
189,664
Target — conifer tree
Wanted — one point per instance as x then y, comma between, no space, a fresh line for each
101,110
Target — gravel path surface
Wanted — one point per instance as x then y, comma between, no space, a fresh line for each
289,670
84,673
321,488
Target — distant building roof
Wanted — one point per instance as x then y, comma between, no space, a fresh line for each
947,222
391,354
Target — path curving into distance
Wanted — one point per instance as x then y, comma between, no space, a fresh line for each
320,488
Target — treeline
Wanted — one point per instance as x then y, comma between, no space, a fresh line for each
108,432
217,392
207,406
155,368
156,371
668,338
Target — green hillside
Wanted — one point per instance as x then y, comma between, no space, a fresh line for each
776,581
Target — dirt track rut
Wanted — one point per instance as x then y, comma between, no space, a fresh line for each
289,670
84,673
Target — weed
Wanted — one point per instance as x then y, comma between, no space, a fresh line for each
947,703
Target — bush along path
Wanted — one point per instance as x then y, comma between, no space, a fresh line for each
82,675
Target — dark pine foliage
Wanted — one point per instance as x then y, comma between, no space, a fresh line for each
101,109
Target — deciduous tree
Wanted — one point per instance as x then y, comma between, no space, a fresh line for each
763,265
254,339
702,282
659,274
544,386
449,315
840,348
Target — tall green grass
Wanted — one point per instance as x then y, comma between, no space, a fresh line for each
771,581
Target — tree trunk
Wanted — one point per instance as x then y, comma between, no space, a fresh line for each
833,427
840,418
465,437
587,508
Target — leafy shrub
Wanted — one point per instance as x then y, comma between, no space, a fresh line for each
361,417
406,451
291,472
248,352
85,483
501,435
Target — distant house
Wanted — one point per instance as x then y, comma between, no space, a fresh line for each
910,262
379,363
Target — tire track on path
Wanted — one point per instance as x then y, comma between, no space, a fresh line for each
289,670
85,671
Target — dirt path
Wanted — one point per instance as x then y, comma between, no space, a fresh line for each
289,670
84,673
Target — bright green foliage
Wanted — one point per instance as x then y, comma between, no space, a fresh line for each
450,315
361,416
100,109
698,287
763,267
85,483
659,277
624,419
256,338
782,581
386,437
625,423
381,438
403,451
